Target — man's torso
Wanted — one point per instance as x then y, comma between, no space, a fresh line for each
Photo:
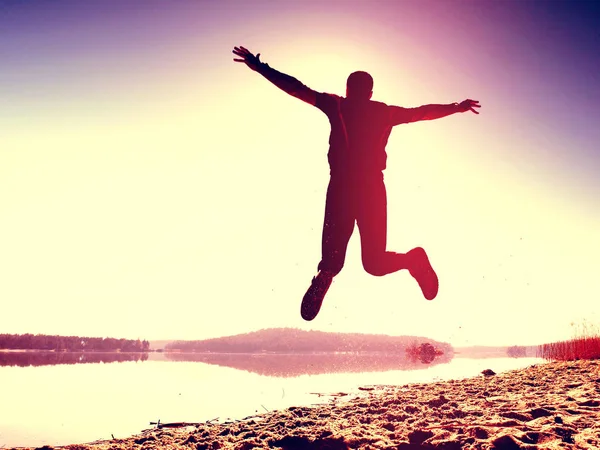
359,133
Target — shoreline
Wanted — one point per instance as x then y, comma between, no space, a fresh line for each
547,406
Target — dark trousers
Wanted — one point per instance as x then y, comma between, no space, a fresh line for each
361,200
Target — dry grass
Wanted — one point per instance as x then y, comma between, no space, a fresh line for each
585,346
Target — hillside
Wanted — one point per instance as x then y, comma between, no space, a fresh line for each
291,340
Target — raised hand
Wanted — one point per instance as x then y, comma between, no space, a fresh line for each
469,105
247,57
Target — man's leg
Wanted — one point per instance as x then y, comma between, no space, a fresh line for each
372,224
338,225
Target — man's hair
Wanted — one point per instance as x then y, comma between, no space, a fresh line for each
359,85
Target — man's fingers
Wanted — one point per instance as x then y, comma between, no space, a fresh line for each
469,105
240,51
247,56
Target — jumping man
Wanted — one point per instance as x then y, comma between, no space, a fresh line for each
360,129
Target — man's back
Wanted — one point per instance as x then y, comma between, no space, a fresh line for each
359,133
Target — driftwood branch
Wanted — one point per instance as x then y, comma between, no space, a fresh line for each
159,424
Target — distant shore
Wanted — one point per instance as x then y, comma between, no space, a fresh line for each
547,406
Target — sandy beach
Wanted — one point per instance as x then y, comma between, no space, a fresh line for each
547,406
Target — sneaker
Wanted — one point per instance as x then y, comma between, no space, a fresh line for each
421,270
311,303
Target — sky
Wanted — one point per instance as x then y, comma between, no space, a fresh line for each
153,188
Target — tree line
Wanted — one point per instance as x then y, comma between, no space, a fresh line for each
70,343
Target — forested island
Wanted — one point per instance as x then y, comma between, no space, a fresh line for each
70,343
291,340
290,352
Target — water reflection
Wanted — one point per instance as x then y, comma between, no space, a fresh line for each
268,364
295,365
25,359
50,405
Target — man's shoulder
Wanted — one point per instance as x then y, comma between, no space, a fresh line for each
328,96
326,101
377,104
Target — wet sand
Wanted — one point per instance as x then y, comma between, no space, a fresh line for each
547,406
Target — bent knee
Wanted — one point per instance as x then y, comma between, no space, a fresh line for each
374,267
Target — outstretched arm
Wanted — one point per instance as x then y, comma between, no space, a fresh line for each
284,82
431,112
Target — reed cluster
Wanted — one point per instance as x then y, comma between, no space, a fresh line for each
586,345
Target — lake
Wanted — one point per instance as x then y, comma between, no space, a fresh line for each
59,399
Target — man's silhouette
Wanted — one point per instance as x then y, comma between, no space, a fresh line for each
356,193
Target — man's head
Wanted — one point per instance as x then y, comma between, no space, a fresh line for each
359,86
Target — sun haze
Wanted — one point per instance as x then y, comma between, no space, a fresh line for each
153,188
